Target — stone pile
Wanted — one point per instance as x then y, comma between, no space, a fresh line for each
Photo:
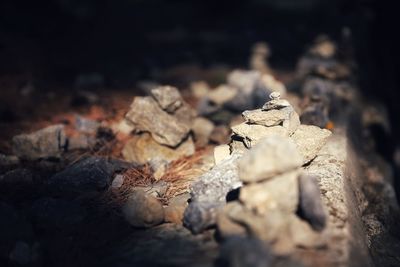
265,157
162,124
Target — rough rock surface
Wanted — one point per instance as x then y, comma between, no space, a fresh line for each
209,193
168,97
143,148
252,134
143,210
87,175
202,129
309,140
166,129
269,158
49,142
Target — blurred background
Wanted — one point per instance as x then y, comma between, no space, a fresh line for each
62,44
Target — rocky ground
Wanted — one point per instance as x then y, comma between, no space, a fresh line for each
266,168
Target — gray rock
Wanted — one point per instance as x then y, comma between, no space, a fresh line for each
271,156
166,129
209,193
54,214
118,181
309,140
176,208
311,206
8,161
222,94
85,125
49,142
87,175
143,210
276,104
17,177
244,252
168,97
81,141
185,114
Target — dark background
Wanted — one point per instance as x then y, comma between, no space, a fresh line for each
53,41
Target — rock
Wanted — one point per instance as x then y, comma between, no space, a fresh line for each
276,104
222,94
226,227
244,80
251,134
202,129
142,210
185,114
165,129
209,193
122,126
156,189
8,161
87,175
199,89
221,152
281,192
244,252
303,235
272,85
220,134
286,117
118,181
49,142
143,149
81,142
309,140
159,167
311,207
55,214
85,125
176,208
168,97
272,156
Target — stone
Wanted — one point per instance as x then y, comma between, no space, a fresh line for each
118,181
54,214
17,177
271,156
49,142
276,104
253,133
176,208
309,140
286,117
165,129
244,252
157,189
220,134
311,207
81,141
8,161
281,193
202,129
123,126
142,210
85,125
221,152
168,97
272,84
244,80
87,175
222,94
199,89
226,227
304,236
209,194
143,149
185,114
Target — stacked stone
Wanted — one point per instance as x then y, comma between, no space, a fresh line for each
162,124
265,156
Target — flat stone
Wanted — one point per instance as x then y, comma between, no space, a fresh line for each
143,149
87,175
311,206
168,97
202,129
142,210
185,114
86,125
280,192
123,126
253,133
49,142
227,227
272,156
165,129
309,140
304,236
221,152
276,104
